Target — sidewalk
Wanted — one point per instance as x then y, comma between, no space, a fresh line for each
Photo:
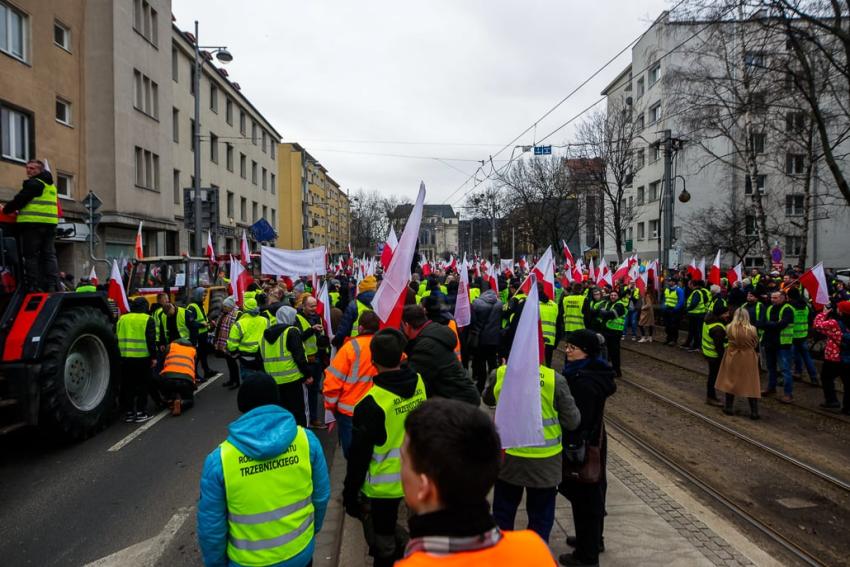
651,521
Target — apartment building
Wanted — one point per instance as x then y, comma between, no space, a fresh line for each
42,104
292,195
438,233
657,105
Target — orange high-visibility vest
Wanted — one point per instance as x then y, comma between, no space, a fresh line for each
180,359
349,376
453,327
522,547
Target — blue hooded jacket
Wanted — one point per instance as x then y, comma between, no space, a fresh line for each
262,433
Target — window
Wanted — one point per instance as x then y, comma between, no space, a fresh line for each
750,225
654,74
265,182
242,122
655,152
64,184
16,136
243,166
213,148
254,211
272,182
147,169
145,20
654,192
794,205
265,211
146,94
175,186
793,246
758,102
655,113
243,208
641,231
62,36
640,89
228,152
748,184
794,163
228,111
630,234
753,60
214,98
192,133
274,218
795,121
640,122
653,228
254,172
175,125
640,195
230,204
63,111
175,65
253,132
264,141
640,159
757,140
271,147
14,32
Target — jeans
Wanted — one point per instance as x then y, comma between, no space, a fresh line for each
539,503
671,324
801,357
485,359
695,330
344,428
779,360
631,323
381,530
41,270
315,414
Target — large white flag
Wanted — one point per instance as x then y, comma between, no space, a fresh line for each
292,263
463,312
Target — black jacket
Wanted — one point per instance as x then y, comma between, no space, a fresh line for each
369,431
31,189
293,344
486,318
432,355
773,324
590,384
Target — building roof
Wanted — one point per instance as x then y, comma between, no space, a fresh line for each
444,211
617,80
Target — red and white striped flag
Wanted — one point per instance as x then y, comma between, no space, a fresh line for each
735,274
714,271
244,250
568,256
93,276
389,247
210,251
543,271
140,253
463,311
238,280
116,289
622,272
324,309
591,272
814,280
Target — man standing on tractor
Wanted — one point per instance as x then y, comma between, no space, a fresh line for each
199,332
137,344
37,206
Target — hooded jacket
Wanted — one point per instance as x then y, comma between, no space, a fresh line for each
350,316
487,318
30,189
261,433
294,345
432,355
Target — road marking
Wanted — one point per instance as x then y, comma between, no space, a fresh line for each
146,553
153,421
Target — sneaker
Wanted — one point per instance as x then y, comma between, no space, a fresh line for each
786,399
200,379
573,540
634,338
129,417
142,416
649,339
642,340
176,407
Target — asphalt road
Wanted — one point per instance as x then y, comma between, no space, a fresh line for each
81,503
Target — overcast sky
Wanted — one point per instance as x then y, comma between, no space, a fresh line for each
448,79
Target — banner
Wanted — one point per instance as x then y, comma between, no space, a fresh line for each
277,262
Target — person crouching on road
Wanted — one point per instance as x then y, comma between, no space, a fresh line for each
176,382
452,524
372,488
282,352
265,490
136,333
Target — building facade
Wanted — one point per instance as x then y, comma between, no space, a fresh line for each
438,232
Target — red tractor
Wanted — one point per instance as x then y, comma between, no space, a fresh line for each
60,357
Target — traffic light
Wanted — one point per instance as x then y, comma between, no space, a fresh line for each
209,209
92,203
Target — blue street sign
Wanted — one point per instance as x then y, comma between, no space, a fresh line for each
542,150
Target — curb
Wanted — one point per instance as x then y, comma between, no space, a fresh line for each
329,540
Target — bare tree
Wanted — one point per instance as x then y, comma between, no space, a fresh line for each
370,218
606,140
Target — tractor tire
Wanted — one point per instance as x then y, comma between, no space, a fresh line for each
79,373
216,300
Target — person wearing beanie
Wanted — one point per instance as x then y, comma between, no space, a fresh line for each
834,324
229,314
243,340
268,464
591,383
282,355
359,305
136,333
372,489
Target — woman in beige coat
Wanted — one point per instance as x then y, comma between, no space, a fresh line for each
739,370
647,317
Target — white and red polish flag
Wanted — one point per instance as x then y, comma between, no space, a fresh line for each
622,272
426,267
577,272
519,416
389,247
568,256
324,309
604,275
544,271
492,277
210,251
93,276
463,311
523,264
591,272
652,273
735,274
641,279
714,271
116,291
244,251
350,257
140,252
238,280
814,280
389,299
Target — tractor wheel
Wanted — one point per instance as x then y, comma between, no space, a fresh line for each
216,301
79,361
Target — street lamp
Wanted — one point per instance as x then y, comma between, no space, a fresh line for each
224,57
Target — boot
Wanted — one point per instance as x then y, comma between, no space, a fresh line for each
754,408
729,404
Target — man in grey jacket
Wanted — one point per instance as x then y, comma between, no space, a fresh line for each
485,331
535,470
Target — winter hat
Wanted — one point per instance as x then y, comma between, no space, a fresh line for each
139,305
257,390
585,340
250,304
369,283
229,301
387,347
844,307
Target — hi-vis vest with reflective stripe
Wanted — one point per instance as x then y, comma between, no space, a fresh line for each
182,328
349,375
708,348
361,309
43,209
384,477
786,335
671,297
702,302
130,330
618,323
452,324
551,426
474,293
277,360
246,333
200,317
548,321
180,359
574,312
801,322
269,503
311,346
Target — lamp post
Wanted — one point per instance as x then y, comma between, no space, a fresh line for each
224,56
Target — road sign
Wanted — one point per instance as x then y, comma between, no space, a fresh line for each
542,150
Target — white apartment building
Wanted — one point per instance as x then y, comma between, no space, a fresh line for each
642,88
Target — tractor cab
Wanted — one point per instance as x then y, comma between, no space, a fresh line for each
178,276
